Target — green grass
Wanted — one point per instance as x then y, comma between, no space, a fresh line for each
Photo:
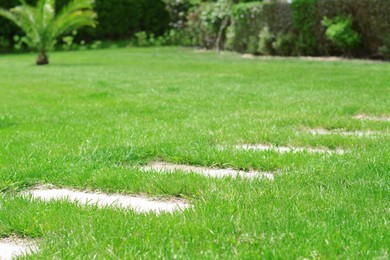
86,120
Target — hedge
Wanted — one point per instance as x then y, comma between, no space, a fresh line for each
299,26
371,20
248,21
305,13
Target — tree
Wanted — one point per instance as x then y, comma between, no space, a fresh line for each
43,26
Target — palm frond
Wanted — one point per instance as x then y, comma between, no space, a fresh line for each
77,5
22,18
27,17
46,10
10,16
77,14
73,21
45,15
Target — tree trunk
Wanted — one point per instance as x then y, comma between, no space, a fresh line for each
42,58
220,33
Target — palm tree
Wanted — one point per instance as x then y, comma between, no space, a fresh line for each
43,26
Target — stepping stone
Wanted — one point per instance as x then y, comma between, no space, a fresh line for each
136,203
372,118
344,133
11,248
205,171
284,149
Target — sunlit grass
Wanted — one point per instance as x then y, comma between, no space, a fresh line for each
86,120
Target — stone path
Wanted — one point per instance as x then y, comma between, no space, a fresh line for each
136,203
10,248
205,171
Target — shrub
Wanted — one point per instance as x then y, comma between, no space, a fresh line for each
20,42
142,39
370,20
340,32
177,37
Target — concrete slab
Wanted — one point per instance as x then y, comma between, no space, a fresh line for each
136,203
205,171
11,248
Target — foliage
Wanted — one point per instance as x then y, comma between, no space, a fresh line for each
384,50
154,17
266,39
235,25
285,44
42,26
257,25
68,41
208,21
177,38
121,19
305,20
248,19
141,39
178,10
117,20
340,32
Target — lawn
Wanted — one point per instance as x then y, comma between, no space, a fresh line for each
90,119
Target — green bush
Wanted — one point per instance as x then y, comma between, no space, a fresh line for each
142,39
340,32
177,38
371,21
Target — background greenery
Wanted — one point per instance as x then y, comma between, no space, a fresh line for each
243,26
117,19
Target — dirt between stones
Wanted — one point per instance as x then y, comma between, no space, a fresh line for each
205,171
136,203
345,133
13,247
284,149
308,58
